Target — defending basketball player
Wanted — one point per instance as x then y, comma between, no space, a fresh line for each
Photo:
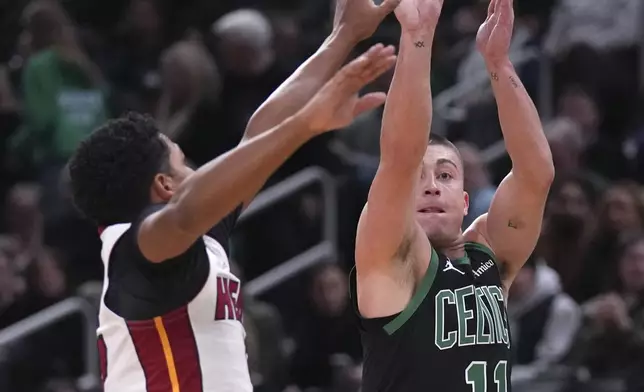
431,298
170,313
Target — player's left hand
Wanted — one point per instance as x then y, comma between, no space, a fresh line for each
361,18
337,103
495,34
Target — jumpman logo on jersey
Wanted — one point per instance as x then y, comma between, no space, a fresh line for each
450,266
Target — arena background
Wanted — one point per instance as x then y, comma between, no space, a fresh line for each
201,67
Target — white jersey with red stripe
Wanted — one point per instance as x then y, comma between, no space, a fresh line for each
174,328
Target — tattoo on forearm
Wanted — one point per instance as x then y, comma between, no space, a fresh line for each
419,44
514,82
494,76
513,224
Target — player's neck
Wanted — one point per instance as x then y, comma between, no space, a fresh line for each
454,249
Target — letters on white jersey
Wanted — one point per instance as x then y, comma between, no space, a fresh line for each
198,347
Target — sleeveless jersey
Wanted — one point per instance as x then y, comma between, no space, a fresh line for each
452,336
173,326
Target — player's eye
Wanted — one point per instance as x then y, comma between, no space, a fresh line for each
445,176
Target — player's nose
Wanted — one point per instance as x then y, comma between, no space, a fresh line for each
430,188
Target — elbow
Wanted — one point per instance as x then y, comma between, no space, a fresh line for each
547,173
538,177
542,178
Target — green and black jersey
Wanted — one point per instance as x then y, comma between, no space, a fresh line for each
452,336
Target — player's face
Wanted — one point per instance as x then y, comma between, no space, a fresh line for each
165,184
441,202
179,168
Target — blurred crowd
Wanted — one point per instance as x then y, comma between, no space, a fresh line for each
202,67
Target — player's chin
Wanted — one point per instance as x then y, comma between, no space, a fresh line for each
437,227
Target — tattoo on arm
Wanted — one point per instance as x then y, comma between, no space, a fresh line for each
494,76
514,82
419,44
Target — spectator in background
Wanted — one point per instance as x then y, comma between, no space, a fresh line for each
329,333
242,41
32,279
594,44
602,151
477,182
568,229
266,342
188,109
544,320
611,344
620,214
134,71
28,256
64,97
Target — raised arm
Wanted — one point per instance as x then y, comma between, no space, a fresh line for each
387,221
218,187
354,20
513,223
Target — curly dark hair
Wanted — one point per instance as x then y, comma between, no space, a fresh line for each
112,170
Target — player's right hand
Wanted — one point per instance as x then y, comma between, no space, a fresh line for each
419,15
337,103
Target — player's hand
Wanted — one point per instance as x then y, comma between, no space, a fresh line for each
360,18
419,15
337,103
495,34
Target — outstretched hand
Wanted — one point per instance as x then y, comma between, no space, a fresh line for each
419,15
495,34
337,103
361,18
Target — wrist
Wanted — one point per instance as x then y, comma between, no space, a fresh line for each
499,65
301,124
343,34
424,36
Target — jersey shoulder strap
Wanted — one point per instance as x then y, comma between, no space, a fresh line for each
393,323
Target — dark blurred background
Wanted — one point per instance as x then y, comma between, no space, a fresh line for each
202,67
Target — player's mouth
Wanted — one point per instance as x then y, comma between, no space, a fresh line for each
431,210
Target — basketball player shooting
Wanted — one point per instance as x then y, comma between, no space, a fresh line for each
170,312
431,298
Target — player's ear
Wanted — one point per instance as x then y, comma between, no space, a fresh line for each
466,204
162,188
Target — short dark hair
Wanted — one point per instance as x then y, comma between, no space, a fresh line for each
438,140
112,170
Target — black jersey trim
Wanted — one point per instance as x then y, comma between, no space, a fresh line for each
482,248
418,297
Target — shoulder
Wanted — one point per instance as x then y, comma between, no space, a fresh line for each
476,234
127,244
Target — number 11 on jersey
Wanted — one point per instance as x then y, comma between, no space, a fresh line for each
476,376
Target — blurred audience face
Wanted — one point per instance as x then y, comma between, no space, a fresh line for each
189,73
23,212
567,144
330,291
144,19
631,267
244,42
569,209
46,24
475,170
621,208
581,108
